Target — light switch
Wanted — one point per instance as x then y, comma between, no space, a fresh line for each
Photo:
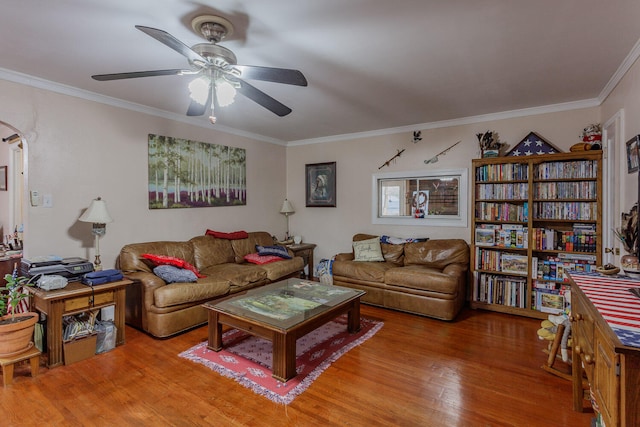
47,201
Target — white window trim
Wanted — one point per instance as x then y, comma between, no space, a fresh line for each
446,220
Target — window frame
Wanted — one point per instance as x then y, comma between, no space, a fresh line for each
460,220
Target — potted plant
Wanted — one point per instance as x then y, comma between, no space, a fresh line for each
16,329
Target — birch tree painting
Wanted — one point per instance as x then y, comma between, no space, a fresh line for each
192,174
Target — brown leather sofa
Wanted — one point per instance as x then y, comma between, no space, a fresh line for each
427,278
162,309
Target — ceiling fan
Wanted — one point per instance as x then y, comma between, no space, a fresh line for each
219,76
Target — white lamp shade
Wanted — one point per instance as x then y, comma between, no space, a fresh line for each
287,207
96,213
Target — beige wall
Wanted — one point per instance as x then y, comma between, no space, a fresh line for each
358,159
80,149
626,96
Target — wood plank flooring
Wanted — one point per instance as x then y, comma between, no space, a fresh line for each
481,370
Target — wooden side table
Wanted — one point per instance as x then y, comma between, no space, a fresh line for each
73,299
304,250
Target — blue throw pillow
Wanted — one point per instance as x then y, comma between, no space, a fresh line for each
280,251
171,274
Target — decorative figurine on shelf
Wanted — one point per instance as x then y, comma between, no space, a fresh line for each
490,144
591,139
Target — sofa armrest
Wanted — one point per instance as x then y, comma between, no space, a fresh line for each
149,283
455,269
347,256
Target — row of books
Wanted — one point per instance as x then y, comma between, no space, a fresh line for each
504,290
505,262
508,191
552,301
581,211
576,240
580,169
554,268
503,172
505,235
565,190
492,211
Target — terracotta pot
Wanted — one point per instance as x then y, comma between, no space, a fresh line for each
17,337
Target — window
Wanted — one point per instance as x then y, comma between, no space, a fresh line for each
421,198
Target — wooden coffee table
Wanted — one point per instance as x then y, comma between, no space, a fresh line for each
282,312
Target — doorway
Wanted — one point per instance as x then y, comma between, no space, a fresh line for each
12,201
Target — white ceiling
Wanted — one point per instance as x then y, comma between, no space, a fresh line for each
371,64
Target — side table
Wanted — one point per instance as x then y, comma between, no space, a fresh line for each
73,299
304,250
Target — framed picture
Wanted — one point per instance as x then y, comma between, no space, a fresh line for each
321,185
3,178
632,154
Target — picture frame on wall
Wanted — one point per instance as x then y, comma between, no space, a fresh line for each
320,184
632,154
3,178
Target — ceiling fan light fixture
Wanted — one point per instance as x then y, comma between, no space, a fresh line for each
199,90
225,92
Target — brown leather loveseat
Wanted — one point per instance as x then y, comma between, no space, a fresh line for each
427,278
162,309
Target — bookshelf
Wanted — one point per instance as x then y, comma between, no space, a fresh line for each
533,218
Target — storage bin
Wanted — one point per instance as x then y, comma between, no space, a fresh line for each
79,349
106,336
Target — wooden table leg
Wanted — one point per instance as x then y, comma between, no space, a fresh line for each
284,357
215,331
54,334
353,317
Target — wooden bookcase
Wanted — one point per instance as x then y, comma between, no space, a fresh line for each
545,212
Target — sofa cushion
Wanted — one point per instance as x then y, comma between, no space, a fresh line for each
368,250
437,253
208,251
276,250
423,278
283,268
171,260
237,274
360,270
242,247
256,258
171,274
188,293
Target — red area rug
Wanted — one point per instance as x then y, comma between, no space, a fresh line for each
247,359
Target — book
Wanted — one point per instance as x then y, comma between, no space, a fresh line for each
514,264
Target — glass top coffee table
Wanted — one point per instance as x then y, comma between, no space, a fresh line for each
282,312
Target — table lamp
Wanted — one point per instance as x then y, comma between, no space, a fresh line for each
287,209
97,214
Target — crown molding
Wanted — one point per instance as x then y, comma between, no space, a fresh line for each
63,89
554,108
620,72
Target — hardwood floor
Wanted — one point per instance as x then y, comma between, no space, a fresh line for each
481,370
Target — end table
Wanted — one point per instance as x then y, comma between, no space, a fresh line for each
304,250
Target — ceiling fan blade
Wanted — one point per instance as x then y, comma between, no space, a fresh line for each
263,99
135,74
198,109
276,75
175,44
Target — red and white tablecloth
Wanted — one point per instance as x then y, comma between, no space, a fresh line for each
611,296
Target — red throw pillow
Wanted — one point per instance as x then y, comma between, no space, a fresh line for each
261,259
229,236
171,260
